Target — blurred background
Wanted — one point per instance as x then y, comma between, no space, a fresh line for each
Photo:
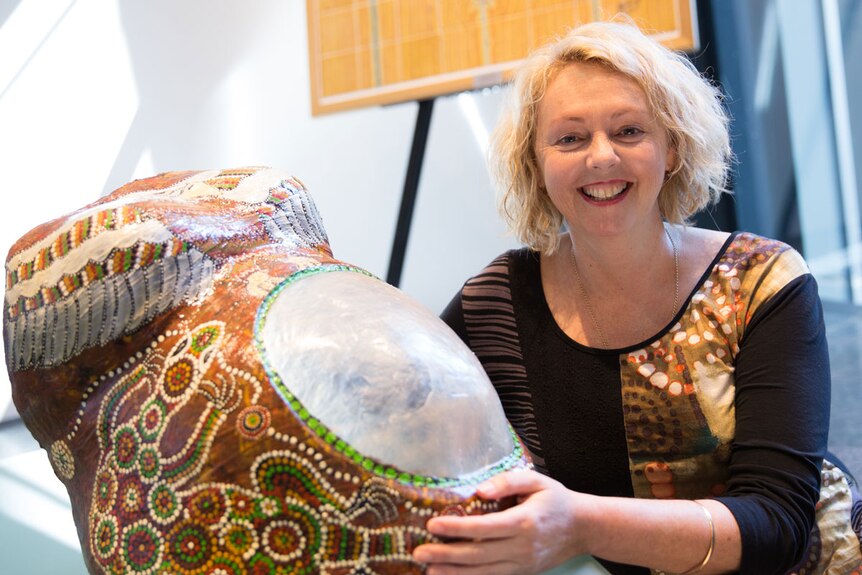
95,93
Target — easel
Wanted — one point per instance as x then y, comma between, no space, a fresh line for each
408,195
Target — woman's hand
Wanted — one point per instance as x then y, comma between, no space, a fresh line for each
533,536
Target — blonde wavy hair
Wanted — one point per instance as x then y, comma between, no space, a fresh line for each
687,105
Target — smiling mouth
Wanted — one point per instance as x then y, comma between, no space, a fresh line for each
604,193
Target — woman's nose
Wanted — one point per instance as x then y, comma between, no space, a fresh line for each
601,153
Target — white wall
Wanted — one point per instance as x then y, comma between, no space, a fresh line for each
94,93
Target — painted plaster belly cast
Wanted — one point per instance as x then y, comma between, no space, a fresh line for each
221,396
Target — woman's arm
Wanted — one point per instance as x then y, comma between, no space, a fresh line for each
552,524
782,410
782,420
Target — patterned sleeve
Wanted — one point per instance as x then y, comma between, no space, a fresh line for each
483,315
782,419
453,315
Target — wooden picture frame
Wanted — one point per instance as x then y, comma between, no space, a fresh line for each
375,52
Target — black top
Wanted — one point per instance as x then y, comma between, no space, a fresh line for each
730,399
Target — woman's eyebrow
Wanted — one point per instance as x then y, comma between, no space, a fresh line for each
577,119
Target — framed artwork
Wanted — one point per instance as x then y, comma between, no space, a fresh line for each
374,52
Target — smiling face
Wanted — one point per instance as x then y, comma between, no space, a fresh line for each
601,154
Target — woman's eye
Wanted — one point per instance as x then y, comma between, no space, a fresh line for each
630,131
568,139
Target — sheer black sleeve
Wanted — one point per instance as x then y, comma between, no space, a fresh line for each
453,315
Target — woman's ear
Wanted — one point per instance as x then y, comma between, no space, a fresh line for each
671,160
538,176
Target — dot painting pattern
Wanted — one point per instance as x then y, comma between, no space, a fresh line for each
147,516
130,332
676,450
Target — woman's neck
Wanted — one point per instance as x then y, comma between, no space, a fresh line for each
610,262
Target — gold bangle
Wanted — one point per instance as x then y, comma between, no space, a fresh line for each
706,559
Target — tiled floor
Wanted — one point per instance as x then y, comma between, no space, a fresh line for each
37,536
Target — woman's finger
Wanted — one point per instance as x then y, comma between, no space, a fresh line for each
467,553
513,483
491,526
498,568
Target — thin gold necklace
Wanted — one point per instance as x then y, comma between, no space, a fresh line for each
599,331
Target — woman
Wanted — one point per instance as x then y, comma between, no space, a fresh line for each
670,382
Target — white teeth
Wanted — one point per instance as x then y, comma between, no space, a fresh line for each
604,192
